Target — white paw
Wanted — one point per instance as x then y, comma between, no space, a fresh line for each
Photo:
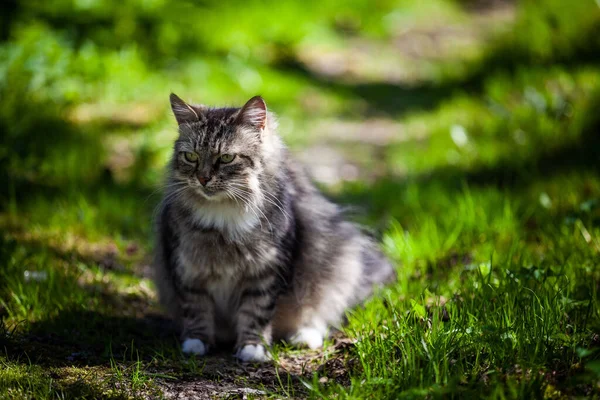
194,346
310,337
253,353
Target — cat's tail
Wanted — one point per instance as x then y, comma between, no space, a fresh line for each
377,269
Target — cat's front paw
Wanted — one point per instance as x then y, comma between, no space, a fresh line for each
253,353
194,346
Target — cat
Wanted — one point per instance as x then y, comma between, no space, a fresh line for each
248,250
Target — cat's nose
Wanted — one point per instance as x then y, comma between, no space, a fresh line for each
204,179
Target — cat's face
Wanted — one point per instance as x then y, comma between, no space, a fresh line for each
218,153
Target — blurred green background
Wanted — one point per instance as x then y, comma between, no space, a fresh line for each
376,88
458,130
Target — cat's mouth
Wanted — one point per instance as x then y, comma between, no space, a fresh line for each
210,193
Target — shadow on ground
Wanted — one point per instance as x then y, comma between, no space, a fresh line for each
93,339
504,55
110,342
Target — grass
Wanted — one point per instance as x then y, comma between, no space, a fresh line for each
476,161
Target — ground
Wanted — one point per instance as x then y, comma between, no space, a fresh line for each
462,134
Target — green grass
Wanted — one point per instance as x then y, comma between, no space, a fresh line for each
486,192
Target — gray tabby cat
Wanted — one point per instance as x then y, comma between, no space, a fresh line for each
248,249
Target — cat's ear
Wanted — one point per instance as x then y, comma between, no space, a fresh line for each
185,113
254,113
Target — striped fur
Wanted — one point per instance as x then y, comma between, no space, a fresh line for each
258,253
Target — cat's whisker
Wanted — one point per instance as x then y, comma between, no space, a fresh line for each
250,207
162,188
257,208
232,197
279,206
254,208
177,191
243,200
247,203
179,186
169,197
270,200
175,194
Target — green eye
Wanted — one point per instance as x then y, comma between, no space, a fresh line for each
191,157
227,158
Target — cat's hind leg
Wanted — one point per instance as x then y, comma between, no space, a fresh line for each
323,302
309,336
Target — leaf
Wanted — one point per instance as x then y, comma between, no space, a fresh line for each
583,353
418,309
485,269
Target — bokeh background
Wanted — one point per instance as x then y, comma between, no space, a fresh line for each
364,90
455,130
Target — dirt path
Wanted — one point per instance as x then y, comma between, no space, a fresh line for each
223,377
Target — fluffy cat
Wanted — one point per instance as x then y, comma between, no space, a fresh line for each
248,250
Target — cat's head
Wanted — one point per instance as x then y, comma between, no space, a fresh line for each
222,154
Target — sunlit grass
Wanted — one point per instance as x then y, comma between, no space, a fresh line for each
466,316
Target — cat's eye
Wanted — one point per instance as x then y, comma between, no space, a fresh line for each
227,158
191,157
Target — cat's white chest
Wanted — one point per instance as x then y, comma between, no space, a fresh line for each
227,218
